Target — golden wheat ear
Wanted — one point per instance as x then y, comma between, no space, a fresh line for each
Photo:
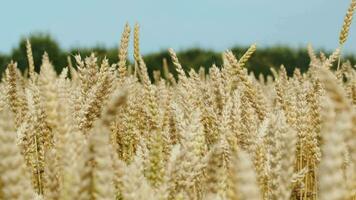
15,182
31,63
337,124
137,43
243,60
15,103
246,186
336,93
179,68
123,48
344,33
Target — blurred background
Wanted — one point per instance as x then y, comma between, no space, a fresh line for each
198,30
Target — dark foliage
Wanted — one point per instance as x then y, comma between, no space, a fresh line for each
261,62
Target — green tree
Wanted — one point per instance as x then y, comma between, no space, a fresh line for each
3,62
261,61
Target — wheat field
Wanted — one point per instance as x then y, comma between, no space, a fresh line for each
106,131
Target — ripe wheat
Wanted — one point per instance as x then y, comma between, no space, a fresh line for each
109,132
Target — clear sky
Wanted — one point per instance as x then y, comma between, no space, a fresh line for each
213,24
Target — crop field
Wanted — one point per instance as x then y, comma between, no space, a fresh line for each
108,131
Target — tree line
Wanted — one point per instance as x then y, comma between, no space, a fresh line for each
261,62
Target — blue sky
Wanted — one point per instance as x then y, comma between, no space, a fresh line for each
213,24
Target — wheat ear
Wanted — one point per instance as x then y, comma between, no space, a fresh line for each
137,43
14,178
344,33
123,51
31,63
347,23
247,55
